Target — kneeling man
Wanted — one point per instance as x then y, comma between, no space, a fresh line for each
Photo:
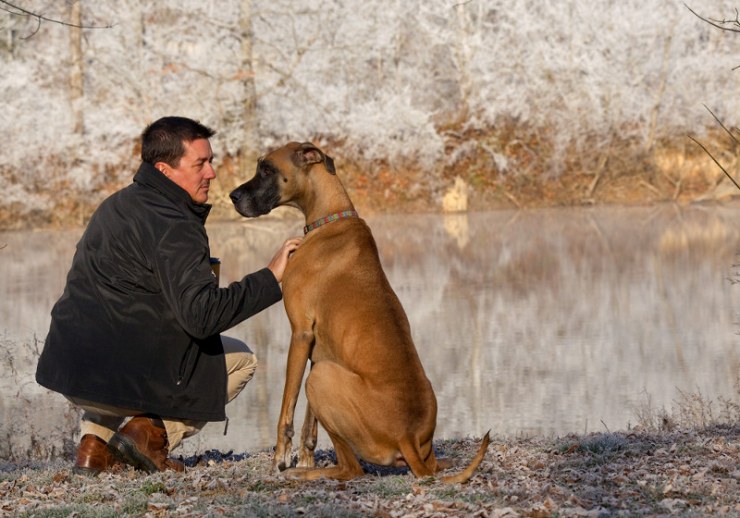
135,337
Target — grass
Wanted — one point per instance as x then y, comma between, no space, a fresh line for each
632,473
689,410
151,487
604,444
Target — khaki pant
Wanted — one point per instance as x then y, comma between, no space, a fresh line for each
104,420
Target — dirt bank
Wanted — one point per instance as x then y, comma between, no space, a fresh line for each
525,173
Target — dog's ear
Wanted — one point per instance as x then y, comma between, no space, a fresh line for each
330,165
308,154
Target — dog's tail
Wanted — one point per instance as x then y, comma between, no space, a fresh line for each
464,475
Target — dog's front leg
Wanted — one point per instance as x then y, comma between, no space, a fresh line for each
309,434
300,348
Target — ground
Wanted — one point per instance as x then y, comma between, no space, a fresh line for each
689,472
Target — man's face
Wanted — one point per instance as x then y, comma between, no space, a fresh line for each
195,172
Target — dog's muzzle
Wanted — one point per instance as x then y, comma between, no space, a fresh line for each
254,199
243,203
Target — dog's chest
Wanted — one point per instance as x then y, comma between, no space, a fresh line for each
326,261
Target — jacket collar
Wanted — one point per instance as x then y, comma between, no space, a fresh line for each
149,176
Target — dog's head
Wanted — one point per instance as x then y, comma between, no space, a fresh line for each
280,179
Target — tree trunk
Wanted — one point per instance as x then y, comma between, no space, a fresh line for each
250,129
76,74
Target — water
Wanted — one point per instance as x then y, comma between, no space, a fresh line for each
528,322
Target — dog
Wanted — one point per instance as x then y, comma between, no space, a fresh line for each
366,385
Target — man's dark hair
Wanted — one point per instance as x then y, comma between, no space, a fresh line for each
162,140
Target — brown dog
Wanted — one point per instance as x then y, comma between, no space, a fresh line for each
366,386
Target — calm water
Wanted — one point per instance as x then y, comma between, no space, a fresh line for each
528,322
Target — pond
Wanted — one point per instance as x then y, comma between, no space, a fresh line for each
528,322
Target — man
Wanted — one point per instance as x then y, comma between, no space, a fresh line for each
136,332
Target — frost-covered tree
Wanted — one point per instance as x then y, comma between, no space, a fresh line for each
730,25
483,89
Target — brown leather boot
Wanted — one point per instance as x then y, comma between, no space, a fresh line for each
143,444
93,456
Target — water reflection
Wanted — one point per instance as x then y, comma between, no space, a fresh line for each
527,322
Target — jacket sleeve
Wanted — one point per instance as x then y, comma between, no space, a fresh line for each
190,287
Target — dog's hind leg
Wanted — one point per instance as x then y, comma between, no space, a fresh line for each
347,467
334,399
420,467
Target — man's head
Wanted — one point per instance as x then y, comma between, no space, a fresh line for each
180,149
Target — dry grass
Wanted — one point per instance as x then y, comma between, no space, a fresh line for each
689,410
684,472
687,468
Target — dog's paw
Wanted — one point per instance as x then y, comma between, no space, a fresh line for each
277,468
280,463
306,459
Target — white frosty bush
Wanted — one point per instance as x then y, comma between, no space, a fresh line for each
385,78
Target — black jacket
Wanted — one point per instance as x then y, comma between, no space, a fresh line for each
138,323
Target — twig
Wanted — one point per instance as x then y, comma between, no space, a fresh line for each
651,187
720,24
732,136
677,185
513,200
715,161
599,171
19,11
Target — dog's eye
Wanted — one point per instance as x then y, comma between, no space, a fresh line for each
266,170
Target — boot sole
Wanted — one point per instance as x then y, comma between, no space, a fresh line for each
126,451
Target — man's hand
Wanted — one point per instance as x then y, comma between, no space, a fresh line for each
280,261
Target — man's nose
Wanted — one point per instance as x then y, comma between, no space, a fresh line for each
210,172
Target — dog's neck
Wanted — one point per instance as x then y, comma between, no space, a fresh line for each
336,216
325,200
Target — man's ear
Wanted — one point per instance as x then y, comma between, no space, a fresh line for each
163,167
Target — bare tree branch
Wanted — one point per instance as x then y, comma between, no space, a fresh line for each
731,134
22,13
19,11
715,161
725,25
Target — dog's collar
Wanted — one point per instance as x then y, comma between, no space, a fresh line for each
328,219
